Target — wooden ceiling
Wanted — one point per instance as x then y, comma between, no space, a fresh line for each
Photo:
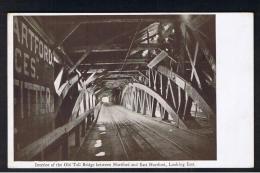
115,43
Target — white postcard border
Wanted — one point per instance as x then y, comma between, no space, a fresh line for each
235,98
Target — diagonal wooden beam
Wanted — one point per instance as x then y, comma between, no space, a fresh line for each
194,25
80,60
142,74
65,55
197,22
193,65
90,79
68,34
131,44
194,60
189,89
172,93
156,60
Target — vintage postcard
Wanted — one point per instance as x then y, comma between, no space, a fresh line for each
130,90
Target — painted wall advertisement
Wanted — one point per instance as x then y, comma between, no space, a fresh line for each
33,84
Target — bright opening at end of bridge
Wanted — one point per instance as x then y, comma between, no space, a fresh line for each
105,99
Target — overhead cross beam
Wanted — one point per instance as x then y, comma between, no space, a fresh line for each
111,71
99,46
115,48
119,61
117,78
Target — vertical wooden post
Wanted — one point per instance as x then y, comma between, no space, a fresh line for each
181,99
178,122
149,99
154,107
144,104
83,129
90,100
196,109
77,137
138,103
174,94
162,111
133,99
187,107
87,100
161,84
166,116
94,99
65,147
150,78
89,121
84,102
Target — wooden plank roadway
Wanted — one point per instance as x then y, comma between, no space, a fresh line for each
121,134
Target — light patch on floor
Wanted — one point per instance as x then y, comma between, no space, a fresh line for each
102,133
102,128
170,130
98,143
100,154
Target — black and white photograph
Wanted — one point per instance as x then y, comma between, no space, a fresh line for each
114,87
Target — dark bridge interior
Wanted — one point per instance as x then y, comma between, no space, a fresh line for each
118,87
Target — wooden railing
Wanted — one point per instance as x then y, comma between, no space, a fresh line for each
36,150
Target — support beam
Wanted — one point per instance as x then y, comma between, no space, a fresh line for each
69,84
144,103
113,63
197,34
89,79
111,71
101,50
142,74
115,48
161,56
117,78
77,137
68,34
154,106
81,59
157,98
192,63
99,46
65,56
76,107
189,89
65,147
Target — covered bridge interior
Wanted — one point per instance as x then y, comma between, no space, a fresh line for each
115,87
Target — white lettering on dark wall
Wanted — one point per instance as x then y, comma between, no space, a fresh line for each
38,96
24,63
31,54
26,37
